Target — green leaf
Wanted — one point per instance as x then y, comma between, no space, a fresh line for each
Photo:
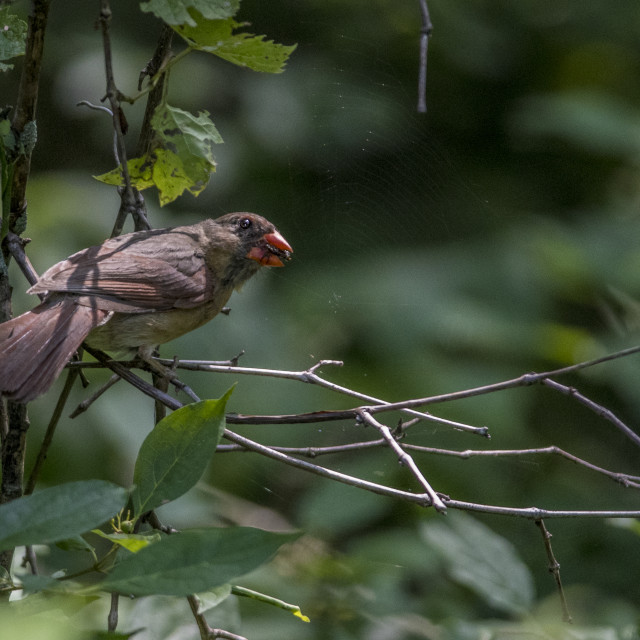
130,541
182,159
276,602
177,11
243,49
213,597
59,512
175,454
13,33
189,136
483,561
194,561
75,543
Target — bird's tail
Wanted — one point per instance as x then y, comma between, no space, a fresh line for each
35,347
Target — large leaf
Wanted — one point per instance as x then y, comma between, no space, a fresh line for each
59,512
182,158
177,11
13,33
483,561
175,454
243,49
194,561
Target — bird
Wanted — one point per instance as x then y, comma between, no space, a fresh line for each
132,293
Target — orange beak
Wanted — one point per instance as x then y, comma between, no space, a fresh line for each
271,255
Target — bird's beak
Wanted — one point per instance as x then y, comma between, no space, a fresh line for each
272,252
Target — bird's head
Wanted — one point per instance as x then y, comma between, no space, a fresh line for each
253,242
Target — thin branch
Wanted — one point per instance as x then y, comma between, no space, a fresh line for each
535,513
112,618
598,409
425,34
156,71
624,479
132,201
51,429
99,107
133,379
421,499
404,458
85,404
554,568
311,377
16,246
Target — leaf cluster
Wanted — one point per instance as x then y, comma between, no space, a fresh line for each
171,460
181,156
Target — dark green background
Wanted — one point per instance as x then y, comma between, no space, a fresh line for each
495,235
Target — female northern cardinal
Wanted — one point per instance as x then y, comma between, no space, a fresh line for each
132,293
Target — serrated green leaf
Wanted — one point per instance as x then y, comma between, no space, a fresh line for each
140,172
175,454
59,512
483,561
171,179
177,11
182,160
130,541
243,49
194,561
186,134
13,32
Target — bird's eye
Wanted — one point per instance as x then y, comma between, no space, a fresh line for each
245,223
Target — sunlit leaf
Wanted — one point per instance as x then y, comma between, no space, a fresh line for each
177,11
194,561
175,454
243,49
13,32
130,541
182,159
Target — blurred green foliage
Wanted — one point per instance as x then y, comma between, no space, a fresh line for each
495,235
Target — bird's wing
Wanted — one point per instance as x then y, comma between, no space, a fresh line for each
133,273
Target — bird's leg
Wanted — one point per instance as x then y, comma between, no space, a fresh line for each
146,356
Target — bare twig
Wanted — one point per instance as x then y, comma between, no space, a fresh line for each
601,411
132,201
51,429
421,499
425,34
112,618
153,70
404,458
624,479
554,568
311,377
85,404
16,246
206,632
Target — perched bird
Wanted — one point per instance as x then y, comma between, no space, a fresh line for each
132,293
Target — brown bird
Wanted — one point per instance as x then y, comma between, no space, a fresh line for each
132,293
